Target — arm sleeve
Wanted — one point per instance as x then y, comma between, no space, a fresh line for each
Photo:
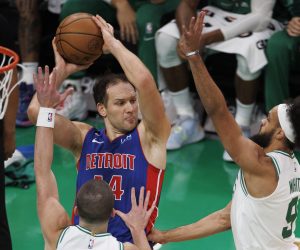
257,20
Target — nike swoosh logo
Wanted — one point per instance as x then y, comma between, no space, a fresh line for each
99,142
148,38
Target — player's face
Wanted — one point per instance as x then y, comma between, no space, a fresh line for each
122,107
267,129
271,122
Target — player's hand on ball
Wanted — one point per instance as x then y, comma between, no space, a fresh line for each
107,34
63,68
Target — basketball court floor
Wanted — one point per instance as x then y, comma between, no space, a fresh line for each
197,182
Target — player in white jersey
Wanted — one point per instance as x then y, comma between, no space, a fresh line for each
94,201
263,210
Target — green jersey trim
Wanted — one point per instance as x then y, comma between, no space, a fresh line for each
121,246
62,234
243,184
292,156
276,165
90,233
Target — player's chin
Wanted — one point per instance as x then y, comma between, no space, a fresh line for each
130,124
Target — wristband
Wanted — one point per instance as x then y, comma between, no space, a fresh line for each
192,53
46,117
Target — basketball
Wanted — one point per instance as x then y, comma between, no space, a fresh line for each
78,39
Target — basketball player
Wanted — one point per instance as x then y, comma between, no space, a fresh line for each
94,200
263,210
126,153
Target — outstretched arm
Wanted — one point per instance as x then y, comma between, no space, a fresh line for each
53,217
216,222
243,151
67,134
150,103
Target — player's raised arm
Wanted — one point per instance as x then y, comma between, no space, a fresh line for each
53,218
150,103
67,134
242,150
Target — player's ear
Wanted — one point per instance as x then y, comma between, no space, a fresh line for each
101,109
279,133
113,213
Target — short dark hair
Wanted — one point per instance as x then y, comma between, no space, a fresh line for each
101,85
294,115
95,201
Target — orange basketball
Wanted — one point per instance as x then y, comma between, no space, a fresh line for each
78,39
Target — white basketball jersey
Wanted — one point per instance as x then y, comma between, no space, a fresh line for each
268,223
77,237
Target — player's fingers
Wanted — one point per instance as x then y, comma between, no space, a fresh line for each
121,214
150,211
102,23
46,75
192,24
146,202
141,198
68,91
52,77
40,76
56,54
133,198
101,20
36,82
111,28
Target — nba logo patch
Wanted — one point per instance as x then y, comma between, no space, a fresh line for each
149,28
91,244
50,117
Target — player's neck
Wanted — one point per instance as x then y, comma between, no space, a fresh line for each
94,228
278,146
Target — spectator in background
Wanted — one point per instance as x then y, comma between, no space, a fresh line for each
8,142
136,20
283,53
236,27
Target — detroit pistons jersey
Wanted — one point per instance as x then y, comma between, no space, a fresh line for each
268,222
122,164
77,237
